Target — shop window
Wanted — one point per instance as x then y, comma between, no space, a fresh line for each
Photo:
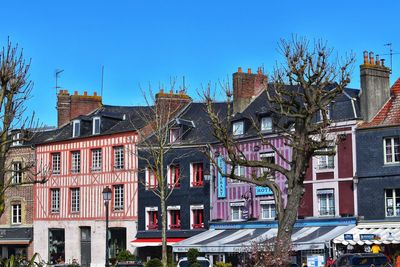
197,217
392,150
151,178
267,210
119,158
55,163
325,162
174,217
16,173
96,159
76,162
266,124
268,157
151,218
55,200
16,213
96,125
197,174
56,246
326,202
118,197
174,176
392,202
75,199
117,241
236,211
238,128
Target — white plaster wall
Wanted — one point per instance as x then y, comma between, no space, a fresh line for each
72,238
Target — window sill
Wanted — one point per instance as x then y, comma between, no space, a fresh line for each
118,210
325,170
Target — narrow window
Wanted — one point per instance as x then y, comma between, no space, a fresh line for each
174,219
118,197
17,173
76,128
173,173
266,124
174,135
151,178
17,139
152,218
197,174
96,125
267,210
55,200
197,217
392,150
75,161
392,202
326,161
119,158
75,196
326,202
238,128
16,213
96,159
236,210
56,163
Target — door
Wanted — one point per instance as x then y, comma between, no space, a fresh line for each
85,246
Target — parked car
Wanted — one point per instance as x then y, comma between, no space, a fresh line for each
362,259
204,262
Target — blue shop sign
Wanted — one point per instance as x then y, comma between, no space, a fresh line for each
367,237
221,180
263,191
348,237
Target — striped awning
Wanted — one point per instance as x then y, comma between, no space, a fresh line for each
238,240
153,242
368,234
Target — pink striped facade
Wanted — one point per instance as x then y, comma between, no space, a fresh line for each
91,184
251,149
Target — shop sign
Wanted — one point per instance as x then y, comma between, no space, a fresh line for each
221,180
348,237
263,191
369,237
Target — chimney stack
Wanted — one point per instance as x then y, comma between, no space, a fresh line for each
375,85
172,102
246,87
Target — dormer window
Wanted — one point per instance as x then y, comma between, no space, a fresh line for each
76,128
238,128
96,125
17,139
174,135
266,124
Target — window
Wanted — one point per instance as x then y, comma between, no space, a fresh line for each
17,173
55,200
325,161
152,218
174,135
96,125
119,157
76,128
151,178
328,113
197,217
266,124
96,159
75,161
238,128
173,174
118,197
240,171
267,210
56,163
75,192
197,175
236,210
17,139
174,215
392,150
326,202
270,158
16,213
392,202
56,245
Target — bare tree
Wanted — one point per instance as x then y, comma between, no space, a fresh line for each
155,143
15,90
300,89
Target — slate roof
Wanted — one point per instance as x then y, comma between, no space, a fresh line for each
389,114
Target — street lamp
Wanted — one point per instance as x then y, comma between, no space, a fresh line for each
107,198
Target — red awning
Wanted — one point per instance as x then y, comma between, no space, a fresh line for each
154,242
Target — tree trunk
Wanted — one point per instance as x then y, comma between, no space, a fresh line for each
164,258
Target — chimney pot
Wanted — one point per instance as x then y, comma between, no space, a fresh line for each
240,69
383,62
365,57
378,62
371,58
171,92
94,93
85,93
75,92
249,70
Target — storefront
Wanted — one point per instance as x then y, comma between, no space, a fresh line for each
16,241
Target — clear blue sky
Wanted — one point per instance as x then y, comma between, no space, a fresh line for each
151,41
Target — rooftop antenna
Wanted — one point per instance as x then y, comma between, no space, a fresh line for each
391,55
184,87
102,79
57,74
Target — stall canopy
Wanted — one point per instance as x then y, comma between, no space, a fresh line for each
153,242
238,240
369,234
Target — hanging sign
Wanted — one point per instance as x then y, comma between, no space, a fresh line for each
221,180
263,191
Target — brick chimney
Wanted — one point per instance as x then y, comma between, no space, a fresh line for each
375,85
172,101
72,106
247,86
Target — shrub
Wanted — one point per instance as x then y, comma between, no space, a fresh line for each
125,255
222,264
192,255
154,263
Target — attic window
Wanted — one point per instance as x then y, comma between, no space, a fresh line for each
238,128
76,128
174,135
96,125
328,114
17,139
266,124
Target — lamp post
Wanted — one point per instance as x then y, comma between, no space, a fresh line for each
107,198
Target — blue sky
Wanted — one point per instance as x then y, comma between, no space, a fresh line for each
142,42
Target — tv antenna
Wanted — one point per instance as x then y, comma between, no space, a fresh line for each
390,55
57,74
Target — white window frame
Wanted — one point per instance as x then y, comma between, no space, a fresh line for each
119,158
16,213
330,211
328,113
265,156
55,200
169,175
119,197
97,159
174,135
75,161
75,199
147,217
56,163
269,206
393,202
151,181
266,124
239,206
392,150
17,139
96,122
192,174
192,209
323,161
173,208
76,128
17,173
238,128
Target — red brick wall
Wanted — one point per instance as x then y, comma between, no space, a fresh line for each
345,157
346,200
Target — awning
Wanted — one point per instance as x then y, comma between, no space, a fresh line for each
237,240
153,242
14,241
370,234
